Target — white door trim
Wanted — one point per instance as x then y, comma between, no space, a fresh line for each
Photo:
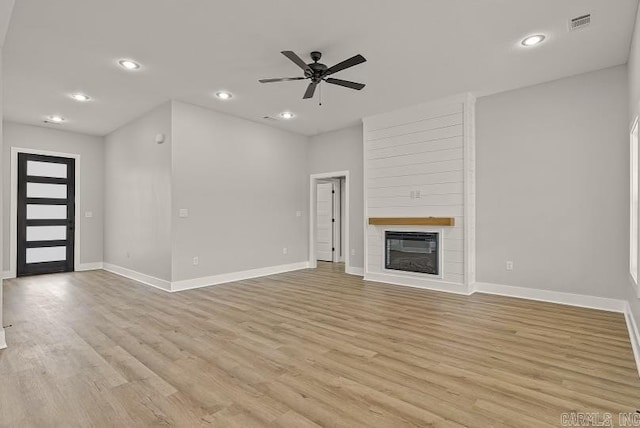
13,216
313,181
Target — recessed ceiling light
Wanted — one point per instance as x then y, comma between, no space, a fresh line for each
536,39
80,97
128,64
56,119
224,95
287,115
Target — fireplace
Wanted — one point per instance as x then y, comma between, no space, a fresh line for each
412,252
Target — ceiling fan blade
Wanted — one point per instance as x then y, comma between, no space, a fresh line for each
345,83
282,79
311,89
354,60
296,59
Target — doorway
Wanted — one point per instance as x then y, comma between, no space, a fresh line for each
329,218
44,203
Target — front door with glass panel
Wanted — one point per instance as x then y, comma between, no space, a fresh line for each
46,208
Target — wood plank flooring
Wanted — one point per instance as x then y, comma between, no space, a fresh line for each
302,349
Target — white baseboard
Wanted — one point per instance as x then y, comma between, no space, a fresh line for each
355,271
89,266
189,284
7,274
634,334
583,301
137,276
448,287
3,341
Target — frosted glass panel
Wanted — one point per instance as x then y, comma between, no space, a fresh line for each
46,254
46,233
44,212
46,190
47,169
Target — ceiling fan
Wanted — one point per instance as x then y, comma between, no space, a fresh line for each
317,72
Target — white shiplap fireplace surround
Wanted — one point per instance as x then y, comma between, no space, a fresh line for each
420,162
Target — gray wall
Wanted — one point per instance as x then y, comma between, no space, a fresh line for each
552,185
242,183
2,217
138,195
633,111
91,180
634,71
339,151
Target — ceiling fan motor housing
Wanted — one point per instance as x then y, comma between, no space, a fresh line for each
317,71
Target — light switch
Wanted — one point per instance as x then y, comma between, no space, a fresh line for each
183,213
88,214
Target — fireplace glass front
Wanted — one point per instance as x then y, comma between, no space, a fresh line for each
412,252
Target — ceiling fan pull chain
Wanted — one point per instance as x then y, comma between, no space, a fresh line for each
320,97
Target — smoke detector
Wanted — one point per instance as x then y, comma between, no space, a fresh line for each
579,22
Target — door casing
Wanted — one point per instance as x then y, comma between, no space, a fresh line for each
313,181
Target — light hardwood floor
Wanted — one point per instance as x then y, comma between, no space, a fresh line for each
300,349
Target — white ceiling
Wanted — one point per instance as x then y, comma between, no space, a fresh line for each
417,50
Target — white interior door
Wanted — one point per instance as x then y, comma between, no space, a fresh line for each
324,222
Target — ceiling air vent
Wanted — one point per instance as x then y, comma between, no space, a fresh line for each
269,118
579,22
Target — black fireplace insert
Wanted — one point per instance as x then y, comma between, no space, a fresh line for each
412,252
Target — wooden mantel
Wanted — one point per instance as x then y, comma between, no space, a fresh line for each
413,221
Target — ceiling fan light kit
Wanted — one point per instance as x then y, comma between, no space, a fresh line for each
317,72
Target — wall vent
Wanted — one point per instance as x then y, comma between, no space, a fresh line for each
579,22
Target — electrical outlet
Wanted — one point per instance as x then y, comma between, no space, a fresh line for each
183,213
88,214
298,213
284,250
509,265
196,261
417,194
